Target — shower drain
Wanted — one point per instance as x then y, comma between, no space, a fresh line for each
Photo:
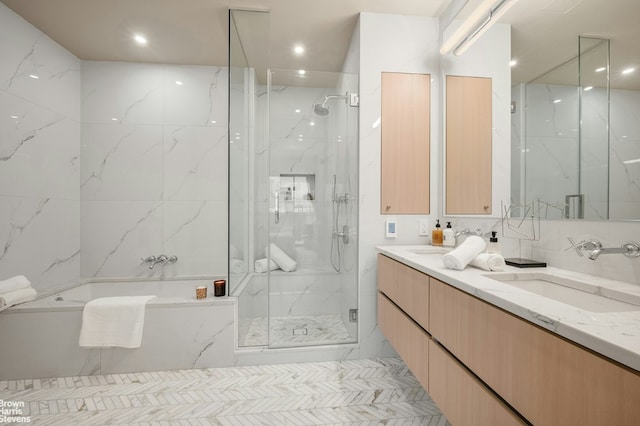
299,331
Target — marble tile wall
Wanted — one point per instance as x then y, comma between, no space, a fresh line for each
39,156
154,169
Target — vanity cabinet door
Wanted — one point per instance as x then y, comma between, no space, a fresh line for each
405,143
406,287
468,145
409,340
461,397
547,379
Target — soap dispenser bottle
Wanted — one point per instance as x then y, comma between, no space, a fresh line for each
436,235
449,237
494,245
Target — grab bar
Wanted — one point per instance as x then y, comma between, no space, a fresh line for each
276,195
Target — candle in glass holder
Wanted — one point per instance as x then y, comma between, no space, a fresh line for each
219,288
201,292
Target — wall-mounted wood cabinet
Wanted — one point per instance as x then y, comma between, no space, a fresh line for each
405,138
468,154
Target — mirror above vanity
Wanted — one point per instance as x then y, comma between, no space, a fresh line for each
576,107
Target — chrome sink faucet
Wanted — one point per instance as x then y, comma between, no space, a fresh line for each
595,248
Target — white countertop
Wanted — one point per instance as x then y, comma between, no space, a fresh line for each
615,335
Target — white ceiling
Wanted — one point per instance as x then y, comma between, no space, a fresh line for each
544,32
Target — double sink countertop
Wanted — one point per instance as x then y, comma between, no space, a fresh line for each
611,331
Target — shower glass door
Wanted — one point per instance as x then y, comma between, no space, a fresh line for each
311,223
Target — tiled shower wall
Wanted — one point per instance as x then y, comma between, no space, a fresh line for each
103,163
39,155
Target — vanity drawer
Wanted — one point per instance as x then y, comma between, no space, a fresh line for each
407,287
547,379
464,399
409,340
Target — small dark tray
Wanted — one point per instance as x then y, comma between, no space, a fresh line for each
519,262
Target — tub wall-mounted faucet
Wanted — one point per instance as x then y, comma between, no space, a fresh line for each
161,259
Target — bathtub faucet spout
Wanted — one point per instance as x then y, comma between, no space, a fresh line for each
162,260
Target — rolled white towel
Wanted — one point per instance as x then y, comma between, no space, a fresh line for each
460,257
281,258
261,265
236,266
488,262
14,283
17,296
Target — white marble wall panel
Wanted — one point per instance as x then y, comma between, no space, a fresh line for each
178,338
116,234
39,151
195,95
44,346
380,38
195,166
121,162
39,156
40,239
122,92
28,53
195,231
154,144
300,293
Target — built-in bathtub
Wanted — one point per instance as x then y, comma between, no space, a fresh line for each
40,338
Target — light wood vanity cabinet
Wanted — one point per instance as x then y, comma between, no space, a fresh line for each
405,143
546,378
479,356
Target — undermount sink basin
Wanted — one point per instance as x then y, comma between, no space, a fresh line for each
429,250
580,294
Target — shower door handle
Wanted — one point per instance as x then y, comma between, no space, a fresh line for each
276,210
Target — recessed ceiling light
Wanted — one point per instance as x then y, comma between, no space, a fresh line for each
302,72
297,111
513,63
601,69
312,123
557,101
140,39
114,119
179,83
34,76
298,49
13,116
213,121
586,89
628,71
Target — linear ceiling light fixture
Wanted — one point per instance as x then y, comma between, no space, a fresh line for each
479,21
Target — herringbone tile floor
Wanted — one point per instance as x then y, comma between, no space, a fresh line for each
360,392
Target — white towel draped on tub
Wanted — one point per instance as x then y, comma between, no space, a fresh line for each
460,257
113,321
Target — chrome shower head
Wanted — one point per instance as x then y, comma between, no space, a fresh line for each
321,109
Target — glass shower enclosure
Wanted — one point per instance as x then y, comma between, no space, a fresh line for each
292,196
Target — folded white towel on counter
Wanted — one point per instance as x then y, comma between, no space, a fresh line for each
14,283
17,296
113,321
460,257
488,262
236,266
281,258
263,265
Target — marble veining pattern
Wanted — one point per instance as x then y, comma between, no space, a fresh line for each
359,392
295,330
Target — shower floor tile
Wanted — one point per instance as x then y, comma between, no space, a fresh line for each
297,330
359,392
